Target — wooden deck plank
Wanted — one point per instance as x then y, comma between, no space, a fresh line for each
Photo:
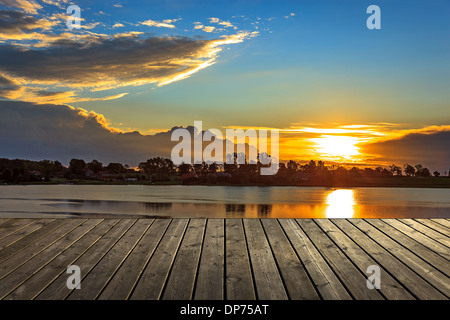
239,279
442,222
10,226
29,239
24,272
420,237
419,249
5,221
123,282
350,245
437,236
34,285
100,275
419,266
58,290
28,253
234,259
268,282
435,226
210,280
22,232
295,277
151,283
181,281
353,279
323,277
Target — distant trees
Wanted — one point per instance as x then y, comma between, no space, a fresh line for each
76,166
162,169
7,175
95,166
395,170
421,171
409,170
159,168
115,168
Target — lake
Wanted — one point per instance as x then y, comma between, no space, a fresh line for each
222,201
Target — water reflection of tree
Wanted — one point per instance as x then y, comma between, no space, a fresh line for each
264,210
235,208
157,206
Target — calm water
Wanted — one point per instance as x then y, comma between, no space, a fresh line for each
223,201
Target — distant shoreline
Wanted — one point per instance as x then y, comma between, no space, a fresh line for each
390,182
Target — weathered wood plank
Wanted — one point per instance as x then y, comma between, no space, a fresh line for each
420,237
4,221
351,240
296,280
9,226
210,280
29,239
58,290
239,279
268,282
235,259
34,285
419,266
123,282
425,253
181,281
323,277
22,232
437,236
23,256
151,283
435,226
353,279
24,272
442,222
100,275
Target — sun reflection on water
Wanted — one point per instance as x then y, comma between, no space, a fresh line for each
340,204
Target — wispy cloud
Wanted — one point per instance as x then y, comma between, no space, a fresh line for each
152,23
28,6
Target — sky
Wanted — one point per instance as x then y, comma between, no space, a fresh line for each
335,89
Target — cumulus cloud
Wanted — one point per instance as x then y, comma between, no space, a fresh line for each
61,132
118,25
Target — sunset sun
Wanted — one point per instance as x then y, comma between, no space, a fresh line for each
337,146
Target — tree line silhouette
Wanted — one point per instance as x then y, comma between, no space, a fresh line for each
160,169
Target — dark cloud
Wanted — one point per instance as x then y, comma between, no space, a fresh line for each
121,59
12,22
7,86
46,131
431,150
29,6
60,132
99,63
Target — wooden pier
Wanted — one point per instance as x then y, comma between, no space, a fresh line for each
225,259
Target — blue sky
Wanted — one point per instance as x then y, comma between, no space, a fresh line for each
394,74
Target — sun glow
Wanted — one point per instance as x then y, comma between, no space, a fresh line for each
337,146
340,204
